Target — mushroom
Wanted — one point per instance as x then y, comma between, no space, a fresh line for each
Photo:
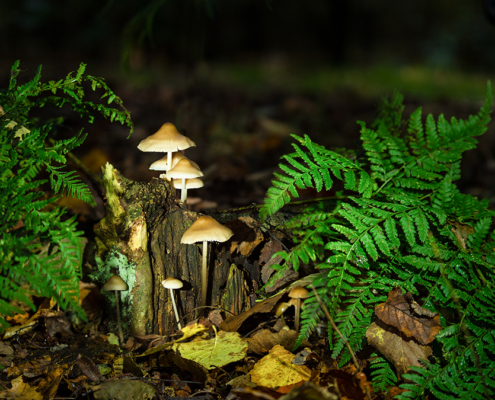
298,293
162,164
206,229
193,183
280,308
183,170
166,139
116,284
171,284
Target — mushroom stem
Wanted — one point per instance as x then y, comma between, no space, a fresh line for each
298,310
183,192
204,278
175,309
169,161
121,334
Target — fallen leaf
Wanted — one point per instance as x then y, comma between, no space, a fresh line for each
89,368
309,391
21,390
48,386
5,349
398,312
401,352
276,369
233,323
461,233
225,348
247,235
264,340
188,331
348,387
256,393
124,390
30,369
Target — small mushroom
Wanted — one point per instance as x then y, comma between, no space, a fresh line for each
116,284
206,229
171,284
166,139
298,293
280,308
162,163
193,183
183,170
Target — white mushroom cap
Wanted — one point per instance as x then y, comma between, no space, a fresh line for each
161,164
115,283
193,183
206,229
166,139
172,283
184,170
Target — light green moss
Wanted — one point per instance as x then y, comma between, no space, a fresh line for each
115,262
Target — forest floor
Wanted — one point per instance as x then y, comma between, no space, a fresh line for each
241,119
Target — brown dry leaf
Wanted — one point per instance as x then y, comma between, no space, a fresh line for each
89,368
256,393
276,369
348,387
21,391
233,323
401,352
273,246
264,340
28,325
32,368
247,235
397,311
6,349
49,385
309,391
461,233
124,390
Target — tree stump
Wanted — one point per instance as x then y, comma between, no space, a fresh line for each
145,223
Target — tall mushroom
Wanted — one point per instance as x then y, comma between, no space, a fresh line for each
171,284
183,170
206,229
116,284
166,139
298,293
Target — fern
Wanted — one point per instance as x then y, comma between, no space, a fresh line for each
40,247
401,222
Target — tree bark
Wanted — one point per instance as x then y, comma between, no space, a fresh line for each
145,222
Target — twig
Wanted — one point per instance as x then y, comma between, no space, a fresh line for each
334,326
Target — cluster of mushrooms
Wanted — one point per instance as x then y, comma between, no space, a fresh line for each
183,174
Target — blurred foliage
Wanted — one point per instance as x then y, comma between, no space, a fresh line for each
442,34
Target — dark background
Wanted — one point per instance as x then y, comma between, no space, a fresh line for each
238,76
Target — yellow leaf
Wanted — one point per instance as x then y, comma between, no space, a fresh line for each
276,369
21,391
225,348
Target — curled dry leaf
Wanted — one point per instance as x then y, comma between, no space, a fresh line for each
400,351
399,312
264,340
247,235
233,323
